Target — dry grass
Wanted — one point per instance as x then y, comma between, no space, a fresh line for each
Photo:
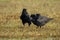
11,26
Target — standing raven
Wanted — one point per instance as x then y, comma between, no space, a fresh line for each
39,20
25,17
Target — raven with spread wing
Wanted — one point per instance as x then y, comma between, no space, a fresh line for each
39,20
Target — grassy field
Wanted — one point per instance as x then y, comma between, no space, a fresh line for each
11,27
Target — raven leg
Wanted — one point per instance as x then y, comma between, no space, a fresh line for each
29,23
23,23
40,26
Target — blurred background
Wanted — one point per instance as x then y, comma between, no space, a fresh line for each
11,27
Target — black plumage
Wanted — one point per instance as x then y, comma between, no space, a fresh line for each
25,17
39,20
36,19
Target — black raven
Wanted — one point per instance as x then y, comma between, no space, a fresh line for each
25,17
39,20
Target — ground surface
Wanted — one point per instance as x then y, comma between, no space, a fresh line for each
11,27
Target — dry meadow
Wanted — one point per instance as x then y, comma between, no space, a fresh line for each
11,27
